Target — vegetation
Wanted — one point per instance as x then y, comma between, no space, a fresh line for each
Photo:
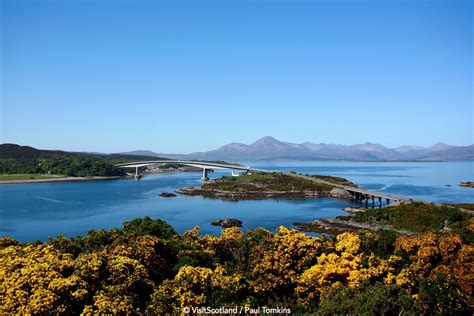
265,182
467,206
417,217
335,180
31,162
8,177
147,268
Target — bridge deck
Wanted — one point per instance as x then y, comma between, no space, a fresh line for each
354,189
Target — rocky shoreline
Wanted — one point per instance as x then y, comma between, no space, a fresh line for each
336,226
256,195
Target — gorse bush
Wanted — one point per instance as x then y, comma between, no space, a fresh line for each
147,268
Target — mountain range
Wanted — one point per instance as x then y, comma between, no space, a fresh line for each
269,148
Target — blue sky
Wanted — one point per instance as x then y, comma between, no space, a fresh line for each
184,76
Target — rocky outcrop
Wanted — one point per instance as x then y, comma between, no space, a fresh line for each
231,195
335,226
340,193
354,209
166,194
227,223
467,184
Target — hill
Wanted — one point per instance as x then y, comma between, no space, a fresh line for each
16,159
269,148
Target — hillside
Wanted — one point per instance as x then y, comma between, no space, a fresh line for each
24,160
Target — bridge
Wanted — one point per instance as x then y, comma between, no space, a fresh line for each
360,194
204,165
357,193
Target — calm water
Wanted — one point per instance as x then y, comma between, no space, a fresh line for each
37,211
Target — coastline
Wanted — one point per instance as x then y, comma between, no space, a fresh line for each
260,195
62,179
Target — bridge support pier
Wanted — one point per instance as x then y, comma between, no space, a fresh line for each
137,175
205,174
373,200
380,201
358,196
387,201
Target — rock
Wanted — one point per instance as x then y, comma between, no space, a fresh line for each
467,184
227,223
340,193
166,194
353,209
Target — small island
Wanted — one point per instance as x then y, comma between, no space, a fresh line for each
271,185
227,223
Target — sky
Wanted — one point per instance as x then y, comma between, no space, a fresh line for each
185,76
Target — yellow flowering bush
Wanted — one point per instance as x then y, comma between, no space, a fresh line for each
289,254
37,279
129,273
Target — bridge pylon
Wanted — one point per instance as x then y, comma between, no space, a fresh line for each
205,174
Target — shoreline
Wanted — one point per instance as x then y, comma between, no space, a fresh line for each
261,195
335,226
61,179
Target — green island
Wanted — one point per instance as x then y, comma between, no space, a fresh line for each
146,268
268,185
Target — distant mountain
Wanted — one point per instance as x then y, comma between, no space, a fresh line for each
151,154
449,153
269,148
440,146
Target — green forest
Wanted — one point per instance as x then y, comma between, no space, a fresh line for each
15,159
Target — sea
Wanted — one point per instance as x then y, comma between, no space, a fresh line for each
38,211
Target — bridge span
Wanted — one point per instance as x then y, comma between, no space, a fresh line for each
360,194
204,165
357,193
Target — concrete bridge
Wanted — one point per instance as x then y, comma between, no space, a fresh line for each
204,165
357,193
361,194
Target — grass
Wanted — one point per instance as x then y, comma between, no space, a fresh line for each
265,182
336,180
10,177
